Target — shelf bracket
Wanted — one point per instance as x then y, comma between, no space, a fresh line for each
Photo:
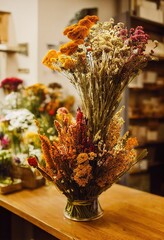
23,48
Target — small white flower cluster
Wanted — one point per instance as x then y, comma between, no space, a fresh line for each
20,119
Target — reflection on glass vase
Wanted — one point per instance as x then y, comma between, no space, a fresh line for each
83,210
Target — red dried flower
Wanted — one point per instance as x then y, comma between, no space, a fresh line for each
32,161
51,112
79,116
11,84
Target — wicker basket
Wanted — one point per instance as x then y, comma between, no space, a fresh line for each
16,185
29,178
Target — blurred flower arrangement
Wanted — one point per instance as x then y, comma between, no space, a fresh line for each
90,154
5,163
43,101
18,114
14,127
18,131
5,160
12,84
7,181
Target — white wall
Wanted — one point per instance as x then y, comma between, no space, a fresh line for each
23,28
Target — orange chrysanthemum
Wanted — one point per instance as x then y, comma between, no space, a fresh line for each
79,32
51,57
92,18
69,28
68,48
86,22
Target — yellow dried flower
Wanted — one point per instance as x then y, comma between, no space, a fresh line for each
67,62
64,116
50,57
31,137
35,88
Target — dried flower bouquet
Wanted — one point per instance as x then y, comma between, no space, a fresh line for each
90,154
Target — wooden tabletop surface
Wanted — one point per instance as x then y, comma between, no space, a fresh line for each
128,214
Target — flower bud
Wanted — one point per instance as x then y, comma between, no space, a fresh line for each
32,161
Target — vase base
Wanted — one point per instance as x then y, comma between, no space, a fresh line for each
83,210
83,219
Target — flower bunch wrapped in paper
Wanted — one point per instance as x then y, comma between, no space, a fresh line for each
90,154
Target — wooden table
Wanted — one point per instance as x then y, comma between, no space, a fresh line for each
128,214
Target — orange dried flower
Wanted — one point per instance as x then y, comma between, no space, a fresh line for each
131,143
92,18
67,62
46,149
92,155
82,157
82,174
79,32
79,41
47,59
68,48
52,106
51,57
69,28
86,22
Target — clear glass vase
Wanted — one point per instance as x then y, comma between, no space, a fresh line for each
83,210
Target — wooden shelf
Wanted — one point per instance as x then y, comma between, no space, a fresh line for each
136,172
148,25
8,51
150,143
22,48
149,87
145,118
142,113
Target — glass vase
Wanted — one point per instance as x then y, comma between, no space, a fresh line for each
83,210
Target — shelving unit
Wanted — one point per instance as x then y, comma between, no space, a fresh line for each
145,105
20,48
